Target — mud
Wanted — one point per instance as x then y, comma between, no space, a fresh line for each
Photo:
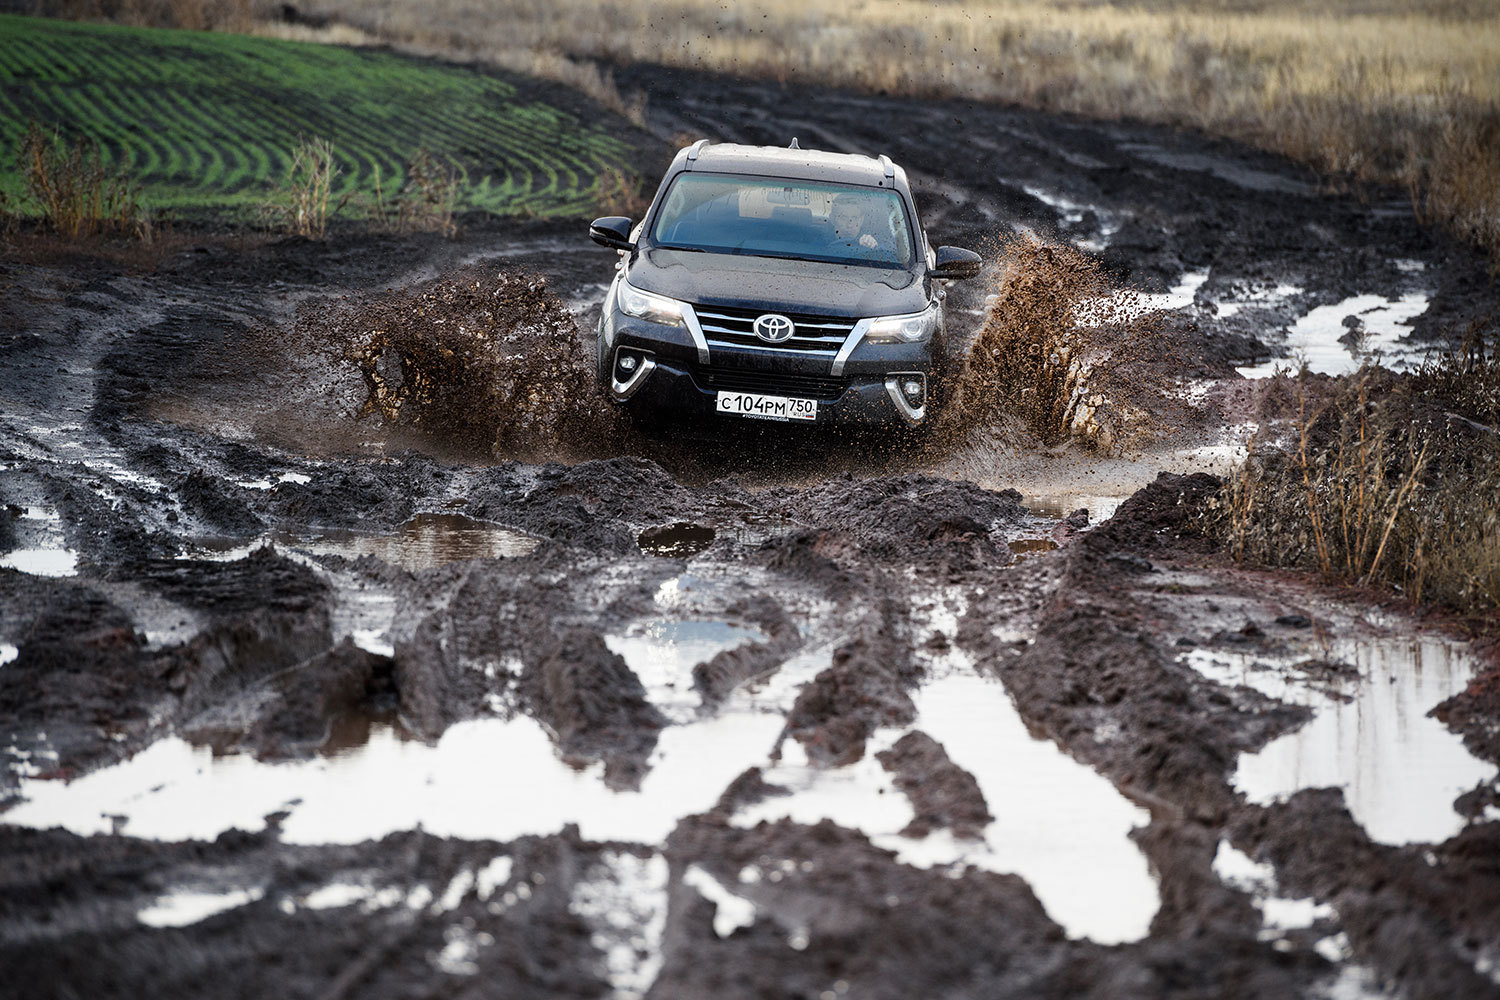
380,659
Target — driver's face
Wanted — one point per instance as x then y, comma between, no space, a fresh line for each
848,220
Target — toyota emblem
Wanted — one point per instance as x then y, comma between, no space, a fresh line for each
774,328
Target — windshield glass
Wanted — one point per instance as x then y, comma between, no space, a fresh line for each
777,217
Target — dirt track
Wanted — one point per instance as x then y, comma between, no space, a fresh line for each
897,726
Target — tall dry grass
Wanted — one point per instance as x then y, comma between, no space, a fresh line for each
75,192
1388,479
300,204
1389,91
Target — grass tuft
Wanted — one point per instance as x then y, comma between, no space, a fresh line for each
301,204
74,191
424,203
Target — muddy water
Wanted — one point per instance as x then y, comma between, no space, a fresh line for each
663,651
43,551
1337,339
1371,736
1059,824
424,542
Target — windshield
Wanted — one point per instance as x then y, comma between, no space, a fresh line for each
777,217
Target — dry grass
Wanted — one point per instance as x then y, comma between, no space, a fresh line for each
424,203
1391,91
74,191
195,15
1388,479
622,193
300,206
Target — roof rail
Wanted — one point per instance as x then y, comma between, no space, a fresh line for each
694,151
890,169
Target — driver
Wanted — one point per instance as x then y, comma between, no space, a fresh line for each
849,231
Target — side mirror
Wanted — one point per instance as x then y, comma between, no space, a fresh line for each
613,231
956,263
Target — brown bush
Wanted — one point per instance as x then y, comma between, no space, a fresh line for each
73,190
1388,479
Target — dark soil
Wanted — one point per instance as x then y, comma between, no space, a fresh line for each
174,406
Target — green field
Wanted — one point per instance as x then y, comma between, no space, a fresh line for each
207,122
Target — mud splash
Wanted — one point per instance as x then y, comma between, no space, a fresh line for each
475,361
1070,352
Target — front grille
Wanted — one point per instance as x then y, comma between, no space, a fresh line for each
815,335
718,379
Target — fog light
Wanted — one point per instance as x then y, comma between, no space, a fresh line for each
912,388
627,362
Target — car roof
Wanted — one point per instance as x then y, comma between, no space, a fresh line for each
801,164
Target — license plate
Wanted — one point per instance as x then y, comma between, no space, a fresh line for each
749,404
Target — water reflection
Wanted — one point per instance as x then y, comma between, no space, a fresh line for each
424,542
663,651
1400,769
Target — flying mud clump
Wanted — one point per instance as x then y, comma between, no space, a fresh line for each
475,360
1061,351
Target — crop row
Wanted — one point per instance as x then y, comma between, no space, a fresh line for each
210,120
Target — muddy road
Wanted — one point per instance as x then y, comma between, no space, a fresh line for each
299,704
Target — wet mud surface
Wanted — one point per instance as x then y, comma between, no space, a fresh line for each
299,702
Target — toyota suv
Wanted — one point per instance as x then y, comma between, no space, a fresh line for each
776,284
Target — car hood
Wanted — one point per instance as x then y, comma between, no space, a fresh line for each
774,284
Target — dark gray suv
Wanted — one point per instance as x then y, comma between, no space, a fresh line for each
776,284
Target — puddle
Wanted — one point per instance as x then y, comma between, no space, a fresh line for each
42,562
1400,770
1071,213
1330,347
175,791
731,912
1061,826
1060,505
50,558
1025,548
662,652
296,478
623,899
461,947
1279,914
424,542
186,906
675,540
1264,298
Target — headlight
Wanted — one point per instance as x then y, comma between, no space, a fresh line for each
910,329
648,306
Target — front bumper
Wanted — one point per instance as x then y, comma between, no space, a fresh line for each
671,379
671,388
